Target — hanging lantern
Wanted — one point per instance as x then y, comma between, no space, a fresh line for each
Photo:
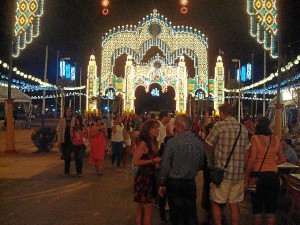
105,11
183,10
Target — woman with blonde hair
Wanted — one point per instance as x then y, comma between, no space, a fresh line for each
145,158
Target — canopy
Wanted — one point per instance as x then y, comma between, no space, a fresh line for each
16,94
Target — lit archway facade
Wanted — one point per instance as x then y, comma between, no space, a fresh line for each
175,42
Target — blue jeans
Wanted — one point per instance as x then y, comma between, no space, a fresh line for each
116,152
182,201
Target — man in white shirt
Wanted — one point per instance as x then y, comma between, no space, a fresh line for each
163,120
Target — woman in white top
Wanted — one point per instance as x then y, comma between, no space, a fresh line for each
127,142
117,141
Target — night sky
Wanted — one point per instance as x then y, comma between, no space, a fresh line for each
75,28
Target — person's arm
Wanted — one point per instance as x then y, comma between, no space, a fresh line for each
140,150
212,138
251,158
113,126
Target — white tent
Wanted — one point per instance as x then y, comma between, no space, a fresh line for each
16,94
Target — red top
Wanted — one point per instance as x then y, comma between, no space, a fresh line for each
77,136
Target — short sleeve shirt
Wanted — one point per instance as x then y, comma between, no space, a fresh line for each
222,137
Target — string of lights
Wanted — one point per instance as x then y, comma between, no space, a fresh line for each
269,78
29,87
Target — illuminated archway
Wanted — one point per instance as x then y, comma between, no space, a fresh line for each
173,41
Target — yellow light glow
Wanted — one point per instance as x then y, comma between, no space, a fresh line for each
183,2
105,3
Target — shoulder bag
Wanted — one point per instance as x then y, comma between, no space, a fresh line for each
217,174
252,179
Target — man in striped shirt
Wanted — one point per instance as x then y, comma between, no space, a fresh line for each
221,140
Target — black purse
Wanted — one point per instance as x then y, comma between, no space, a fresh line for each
217,174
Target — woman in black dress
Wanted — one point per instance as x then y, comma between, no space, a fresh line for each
145,158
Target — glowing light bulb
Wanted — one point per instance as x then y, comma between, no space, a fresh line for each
105,3
183,2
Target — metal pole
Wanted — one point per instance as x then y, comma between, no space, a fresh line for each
80,90
278,106
265,72
74,83
62,105
44,91
10,129
239,105
235,110
57,72
252,67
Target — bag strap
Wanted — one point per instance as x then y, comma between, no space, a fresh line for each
265,156
233,147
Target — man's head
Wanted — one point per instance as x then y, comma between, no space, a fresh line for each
164,116
68,113
183,123
225,110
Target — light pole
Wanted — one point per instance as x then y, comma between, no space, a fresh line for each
44,91
239,100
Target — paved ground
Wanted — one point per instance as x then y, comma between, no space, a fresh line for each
34,190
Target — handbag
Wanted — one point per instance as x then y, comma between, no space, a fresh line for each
252,179
217,174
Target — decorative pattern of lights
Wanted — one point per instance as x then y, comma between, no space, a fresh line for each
27,24
154,30
263,24
93,88
219,83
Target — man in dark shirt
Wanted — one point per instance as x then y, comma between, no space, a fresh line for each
182,159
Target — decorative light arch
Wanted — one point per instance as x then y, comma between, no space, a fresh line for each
173,41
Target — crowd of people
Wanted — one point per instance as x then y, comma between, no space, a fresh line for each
168,152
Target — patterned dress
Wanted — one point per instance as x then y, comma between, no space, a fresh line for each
144,181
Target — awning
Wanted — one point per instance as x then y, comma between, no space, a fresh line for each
16,94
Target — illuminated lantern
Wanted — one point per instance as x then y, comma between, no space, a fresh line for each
105,11
183,10
105,3
183,2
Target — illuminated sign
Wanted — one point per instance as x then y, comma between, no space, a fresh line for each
67,70
246,73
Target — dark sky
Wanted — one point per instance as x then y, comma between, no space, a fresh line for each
75,28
